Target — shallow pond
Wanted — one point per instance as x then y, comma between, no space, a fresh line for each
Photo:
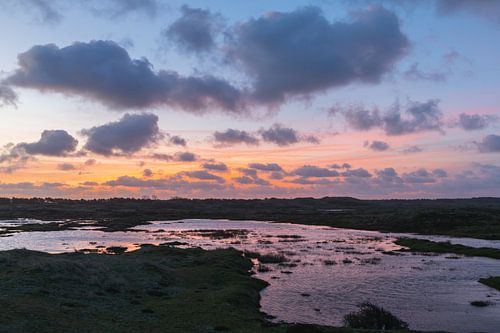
324,272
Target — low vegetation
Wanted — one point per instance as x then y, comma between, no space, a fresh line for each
154,289
493,282
370,316
427,246
479,217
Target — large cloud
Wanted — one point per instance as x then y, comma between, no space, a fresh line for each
126,136
103,71
301,52
414,117
195,30
51,143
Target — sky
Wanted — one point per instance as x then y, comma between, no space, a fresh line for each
250,99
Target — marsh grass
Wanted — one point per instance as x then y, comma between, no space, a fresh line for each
370,316
427,246
493,282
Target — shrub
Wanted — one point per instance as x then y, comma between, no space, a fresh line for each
370,316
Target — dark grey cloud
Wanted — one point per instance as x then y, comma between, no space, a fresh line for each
66,167
213,166
268,167
486,8
470,122
246,180
147,173
412,150
177,140
177,157
490,144
233,137
7,95
248,172
204,175
118,8
195,31
45,11
388,175
276,175
284,136
103,71
51,143
440,173
130,134
359,172
414,73
414,117
174,183
419,176
359,118
185,157
300,52
90,162
376,145
340,166
422,116
307,171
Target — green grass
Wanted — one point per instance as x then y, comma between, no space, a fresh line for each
493,282
154,289
422,245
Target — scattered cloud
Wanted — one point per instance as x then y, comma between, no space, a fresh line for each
471,122
376,145
284,136
414,73
177,140
415,117
217,167
51,143
267,167
489,144
204,175
7,95
232,137
147,173
412,150
308,171
66,167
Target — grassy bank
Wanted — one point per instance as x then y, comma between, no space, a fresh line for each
155,289
493,282
422,245
479,218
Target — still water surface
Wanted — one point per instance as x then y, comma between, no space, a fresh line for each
328,270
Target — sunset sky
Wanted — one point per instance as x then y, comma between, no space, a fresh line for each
250,99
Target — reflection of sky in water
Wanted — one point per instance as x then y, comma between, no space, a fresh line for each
430,292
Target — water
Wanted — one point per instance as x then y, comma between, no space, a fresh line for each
328,270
